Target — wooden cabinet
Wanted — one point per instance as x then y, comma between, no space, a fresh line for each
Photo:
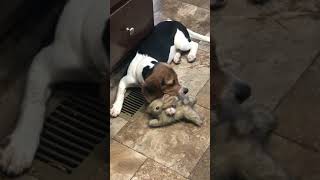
130,22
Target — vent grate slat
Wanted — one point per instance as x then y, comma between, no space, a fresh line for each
70,136
72,130
68,126
133,102
61,150
73,120
83,116
84,111
87,104
56,156
66,143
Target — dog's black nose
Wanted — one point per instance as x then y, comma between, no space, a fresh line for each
242,91
185,90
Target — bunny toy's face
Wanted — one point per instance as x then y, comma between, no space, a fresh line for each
155,107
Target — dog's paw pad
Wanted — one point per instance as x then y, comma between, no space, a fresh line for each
191,58
16,157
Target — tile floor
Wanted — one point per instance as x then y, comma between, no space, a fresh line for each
179,151
270,47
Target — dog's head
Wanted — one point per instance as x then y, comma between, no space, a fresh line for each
163,80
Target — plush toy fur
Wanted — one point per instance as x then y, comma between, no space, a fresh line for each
170,109
241,140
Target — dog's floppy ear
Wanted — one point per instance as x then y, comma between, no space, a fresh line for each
151,89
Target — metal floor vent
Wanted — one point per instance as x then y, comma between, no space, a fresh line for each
132,103
72,130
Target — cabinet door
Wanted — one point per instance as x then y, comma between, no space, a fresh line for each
114,4
129,24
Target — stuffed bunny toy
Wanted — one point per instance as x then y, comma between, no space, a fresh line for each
170,109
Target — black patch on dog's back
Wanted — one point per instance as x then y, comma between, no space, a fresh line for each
148,70
157,44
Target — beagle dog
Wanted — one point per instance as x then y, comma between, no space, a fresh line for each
78,53
149,68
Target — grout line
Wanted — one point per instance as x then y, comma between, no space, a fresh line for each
281,25
282,99
302,145
203,107
131,148
195,5
315,58
169,168
139,167
203,86
150,158
200,160
147,157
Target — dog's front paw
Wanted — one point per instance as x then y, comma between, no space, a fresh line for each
115,110
177,58
16,154
191,58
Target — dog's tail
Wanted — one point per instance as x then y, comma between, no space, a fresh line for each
197,36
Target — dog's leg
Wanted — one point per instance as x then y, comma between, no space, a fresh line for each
18,152
172,54
125,82
181,42
177,57
193,52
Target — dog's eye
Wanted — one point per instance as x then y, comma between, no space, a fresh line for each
157,108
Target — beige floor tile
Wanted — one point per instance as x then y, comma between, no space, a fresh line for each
200,3
116,125
124,162
194,75
202,170
203,97
178,146
205,46
152,170
195,18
